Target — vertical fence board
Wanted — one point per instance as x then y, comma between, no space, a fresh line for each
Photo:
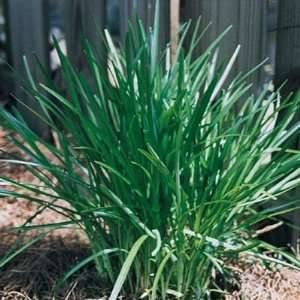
28,35
174,25
84,19
252,37
126,10
288,66
248,19
288,40
145,10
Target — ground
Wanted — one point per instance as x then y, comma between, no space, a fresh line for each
33,274
257,282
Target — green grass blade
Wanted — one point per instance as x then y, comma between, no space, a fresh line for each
126,267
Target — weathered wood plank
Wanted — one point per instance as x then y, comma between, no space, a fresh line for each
145,10
253,37
249,29
84,19
288,40
288,66
28,35
174,25
126,10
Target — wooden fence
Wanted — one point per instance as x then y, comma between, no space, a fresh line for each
28,29
28,32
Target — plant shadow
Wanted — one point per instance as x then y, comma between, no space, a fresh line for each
34,273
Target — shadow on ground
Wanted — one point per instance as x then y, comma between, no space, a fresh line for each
35,273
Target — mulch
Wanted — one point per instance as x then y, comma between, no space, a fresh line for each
15,212
33,275
259,282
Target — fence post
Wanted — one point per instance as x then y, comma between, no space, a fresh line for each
174,25
28,35
249,29
145,10
288,40
288,67
84,19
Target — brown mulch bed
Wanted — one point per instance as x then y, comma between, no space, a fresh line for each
33,274
15,212
258,282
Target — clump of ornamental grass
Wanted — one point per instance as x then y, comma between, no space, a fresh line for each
163,174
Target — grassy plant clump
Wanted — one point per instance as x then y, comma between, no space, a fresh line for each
159,169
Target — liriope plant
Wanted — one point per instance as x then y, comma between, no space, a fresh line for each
157,167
